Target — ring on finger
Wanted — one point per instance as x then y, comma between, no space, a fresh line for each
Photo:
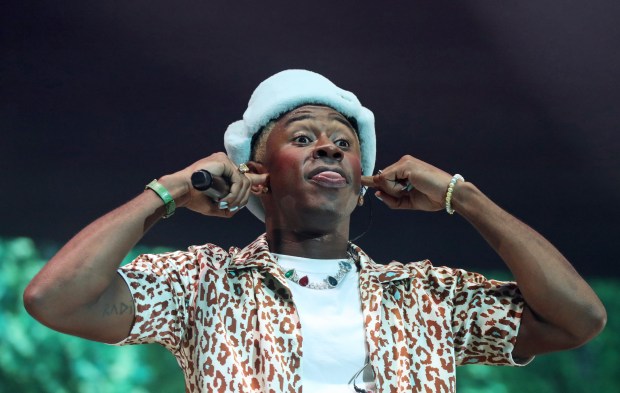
243,168
408,187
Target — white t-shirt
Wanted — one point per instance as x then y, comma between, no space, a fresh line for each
332,326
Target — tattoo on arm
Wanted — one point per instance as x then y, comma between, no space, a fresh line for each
115,309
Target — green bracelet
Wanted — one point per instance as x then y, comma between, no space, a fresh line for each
165,196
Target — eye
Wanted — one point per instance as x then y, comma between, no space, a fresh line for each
342,143
302,139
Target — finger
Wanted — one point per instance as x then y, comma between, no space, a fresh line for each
240,188
249,179
368,181
379,181
244,192
389,200
385,180
210,207
257,179
224,213
254,179
245,197
389,184
222,209
236,189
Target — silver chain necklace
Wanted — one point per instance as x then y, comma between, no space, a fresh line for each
327,283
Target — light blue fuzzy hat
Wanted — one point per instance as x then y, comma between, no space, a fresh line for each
284,92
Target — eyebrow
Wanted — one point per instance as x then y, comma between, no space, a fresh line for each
344,121
298,117
332,116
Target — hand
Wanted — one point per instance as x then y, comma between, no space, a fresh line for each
218,164
427,185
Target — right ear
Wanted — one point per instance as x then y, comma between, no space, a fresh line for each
259,169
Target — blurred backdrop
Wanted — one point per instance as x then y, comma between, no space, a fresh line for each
99,98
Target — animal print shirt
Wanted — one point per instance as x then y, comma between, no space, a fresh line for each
229,319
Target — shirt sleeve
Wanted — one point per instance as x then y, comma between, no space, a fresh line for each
486,316
162,286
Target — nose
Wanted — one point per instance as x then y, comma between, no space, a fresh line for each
326,149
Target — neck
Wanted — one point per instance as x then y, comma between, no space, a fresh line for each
308,244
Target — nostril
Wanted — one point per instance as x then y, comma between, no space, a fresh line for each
329,152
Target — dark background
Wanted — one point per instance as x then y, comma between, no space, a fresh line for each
522,98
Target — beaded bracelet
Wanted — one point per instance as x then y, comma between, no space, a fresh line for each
455,178
165,196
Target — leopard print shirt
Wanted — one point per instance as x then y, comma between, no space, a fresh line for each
229,319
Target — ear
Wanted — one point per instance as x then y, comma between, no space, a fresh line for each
258,168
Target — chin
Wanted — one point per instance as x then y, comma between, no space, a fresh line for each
327,209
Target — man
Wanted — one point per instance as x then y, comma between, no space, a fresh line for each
301,307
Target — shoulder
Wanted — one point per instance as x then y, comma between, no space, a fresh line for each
420,270
423,274
184,262
211,256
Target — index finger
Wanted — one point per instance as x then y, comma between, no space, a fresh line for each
257,178
368,181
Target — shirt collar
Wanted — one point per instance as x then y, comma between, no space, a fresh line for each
383,273
254,255
257,255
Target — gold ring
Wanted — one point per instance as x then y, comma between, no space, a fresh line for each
243,168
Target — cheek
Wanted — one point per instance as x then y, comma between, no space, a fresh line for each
284,161
356,170
285,167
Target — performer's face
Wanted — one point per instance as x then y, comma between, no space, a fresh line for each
313,160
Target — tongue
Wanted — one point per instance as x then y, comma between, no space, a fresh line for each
329,177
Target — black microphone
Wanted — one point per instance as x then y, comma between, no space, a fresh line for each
214,186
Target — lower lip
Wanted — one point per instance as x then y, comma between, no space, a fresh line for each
329,182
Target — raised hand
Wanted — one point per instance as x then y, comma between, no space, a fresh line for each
411,184
218,164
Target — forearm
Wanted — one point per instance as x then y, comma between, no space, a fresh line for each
552,288
79,291
84,268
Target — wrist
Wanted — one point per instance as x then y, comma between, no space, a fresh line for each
448,198
464,197
177,187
